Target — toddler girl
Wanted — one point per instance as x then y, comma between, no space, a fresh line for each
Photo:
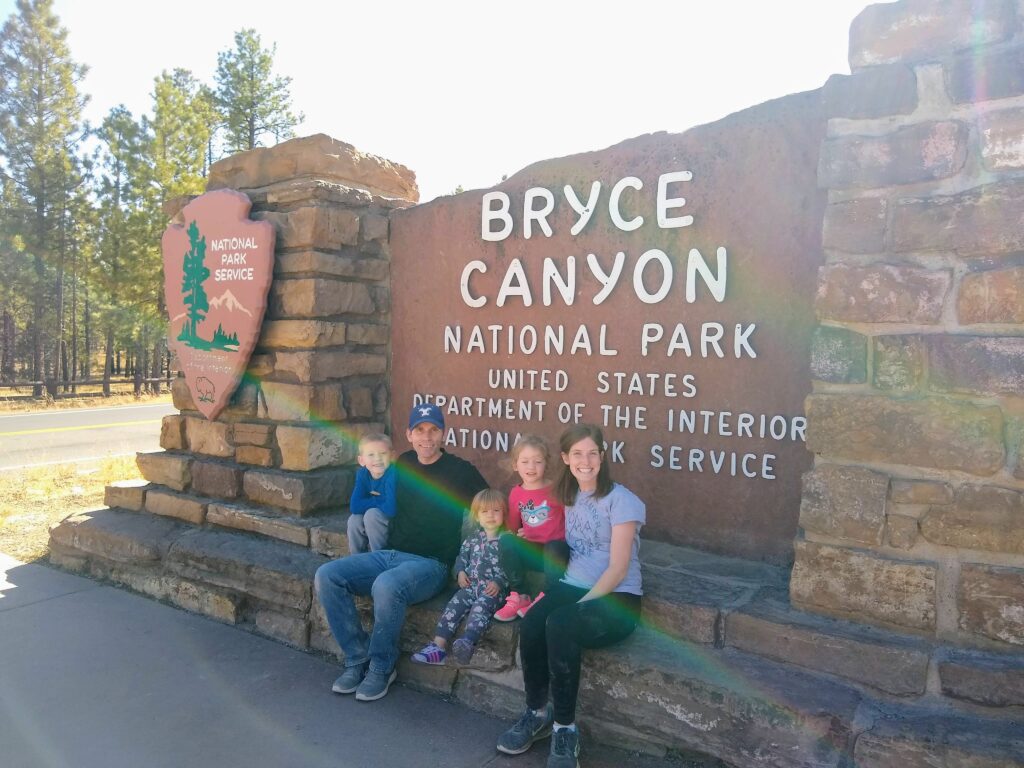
537,523
481,584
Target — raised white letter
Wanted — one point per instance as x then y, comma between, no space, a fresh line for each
530,215
474,266
613,204
607,281
664,203
666,276
487,215
584,212
715,284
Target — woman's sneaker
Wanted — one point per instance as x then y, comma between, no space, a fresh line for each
510,611
524,609
430,654
565,749
529,728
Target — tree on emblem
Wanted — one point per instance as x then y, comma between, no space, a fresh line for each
193,293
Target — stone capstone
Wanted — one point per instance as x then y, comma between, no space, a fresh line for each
317,157
921,30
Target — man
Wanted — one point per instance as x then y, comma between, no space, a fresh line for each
434,491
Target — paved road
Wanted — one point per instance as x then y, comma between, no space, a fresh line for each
93,677
76,434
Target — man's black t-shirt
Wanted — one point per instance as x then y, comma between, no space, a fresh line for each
432,500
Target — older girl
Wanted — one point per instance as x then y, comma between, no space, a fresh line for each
596,604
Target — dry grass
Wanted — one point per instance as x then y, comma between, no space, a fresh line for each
8,405
32,500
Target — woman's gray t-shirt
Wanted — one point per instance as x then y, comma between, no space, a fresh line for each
588,532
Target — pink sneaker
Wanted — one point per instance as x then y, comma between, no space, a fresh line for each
513,607
524,609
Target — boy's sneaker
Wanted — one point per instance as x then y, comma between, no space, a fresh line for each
529,728
462,650
350,679
430,654
510,610
565,749
375,685
523,611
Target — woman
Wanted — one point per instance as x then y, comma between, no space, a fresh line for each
596,604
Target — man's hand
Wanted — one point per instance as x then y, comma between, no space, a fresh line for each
463,579
492,589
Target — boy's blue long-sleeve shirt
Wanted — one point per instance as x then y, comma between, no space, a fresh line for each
369,493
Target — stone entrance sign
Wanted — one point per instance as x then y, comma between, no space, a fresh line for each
217,272
662,288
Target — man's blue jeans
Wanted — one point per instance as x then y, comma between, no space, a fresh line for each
394,580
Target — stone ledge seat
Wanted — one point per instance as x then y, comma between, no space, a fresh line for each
722,664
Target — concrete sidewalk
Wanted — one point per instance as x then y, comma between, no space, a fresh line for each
91,676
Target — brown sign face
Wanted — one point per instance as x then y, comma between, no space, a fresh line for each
662,289
217,272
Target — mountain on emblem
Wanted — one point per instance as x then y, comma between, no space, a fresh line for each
217,253
229,302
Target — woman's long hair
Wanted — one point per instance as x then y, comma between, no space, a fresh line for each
567,486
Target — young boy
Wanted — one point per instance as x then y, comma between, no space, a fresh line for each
373,498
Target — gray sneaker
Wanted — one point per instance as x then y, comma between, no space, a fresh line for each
529,728
350,679
375,685
565,749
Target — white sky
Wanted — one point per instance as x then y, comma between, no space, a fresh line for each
463,92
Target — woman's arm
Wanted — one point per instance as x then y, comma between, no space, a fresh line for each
620,553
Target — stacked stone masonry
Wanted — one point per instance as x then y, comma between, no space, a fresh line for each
723,664
913,515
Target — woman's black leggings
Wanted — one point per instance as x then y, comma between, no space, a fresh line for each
553,635
517,556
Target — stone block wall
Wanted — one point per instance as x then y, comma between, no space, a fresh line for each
913,515
317,380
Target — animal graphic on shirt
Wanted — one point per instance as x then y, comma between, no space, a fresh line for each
533,515
581,528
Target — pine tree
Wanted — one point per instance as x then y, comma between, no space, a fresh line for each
193,293
40,116
253,101
183,116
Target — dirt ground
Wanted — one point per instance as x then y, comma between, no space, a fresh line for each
16,405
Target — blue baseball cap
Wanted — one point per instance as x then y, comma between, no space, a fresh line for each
427,412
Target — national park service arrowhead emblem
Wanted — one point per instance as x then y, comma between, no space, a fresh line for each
217,273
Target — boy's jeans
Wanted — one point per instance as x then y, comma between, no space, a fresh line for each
368,532
394,580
